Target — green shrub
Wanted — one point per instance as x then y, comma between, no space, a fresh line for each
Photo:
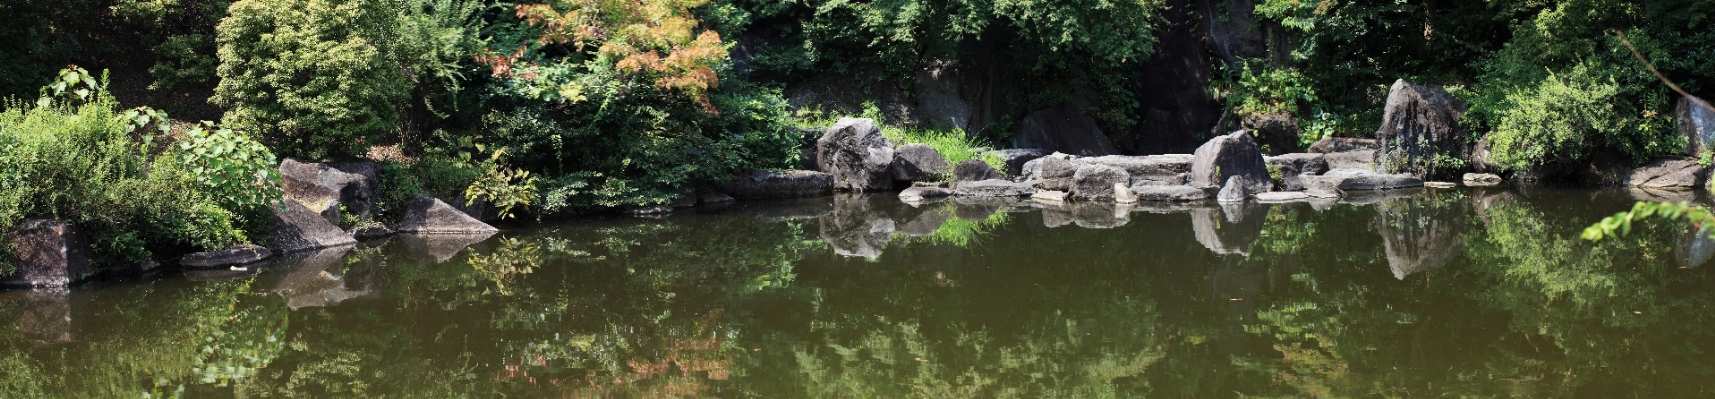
310,76
81,163
1563,119
235,170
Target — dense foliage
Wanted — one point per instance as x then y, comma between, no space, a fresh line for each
1550,82
82,159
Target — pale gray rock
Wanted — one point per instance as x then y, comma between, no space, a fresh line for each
1170,193
1236,190
1668,174
324,188
993,188
1483,180
923,193
1095,182
1230,155
427,215
1357,179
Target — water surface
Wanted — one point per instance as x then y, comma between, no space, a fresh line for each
1459,293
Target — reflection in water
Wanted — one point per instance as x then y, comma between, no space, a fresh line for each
318,278
1420,233
864,296
1229,229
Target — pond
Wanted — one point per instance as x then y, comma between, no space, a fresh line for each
1412,293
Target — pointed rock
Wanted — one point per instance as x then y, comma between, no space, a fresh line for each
427,215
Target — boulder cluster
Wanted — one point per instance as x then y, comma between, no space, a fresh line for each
318,196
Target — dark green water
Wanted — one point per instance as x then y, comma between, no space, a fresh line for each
1423,294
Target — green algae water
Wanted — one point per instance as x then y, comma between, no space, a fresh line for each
1456,293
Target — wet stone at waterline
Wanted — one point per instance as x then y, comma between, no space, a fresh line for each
1428,293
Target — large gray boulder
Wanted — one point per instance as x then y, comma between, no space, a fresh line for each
857,155
1062,129
1358,179
1668,174
1095,182
1164,168
974,170
788,184
1291,166
427,215
325,187
294,227
993,188
1169,193
913,162
1483,180
48,253
239,255
1697,124
1017,157
1230,155
1419,124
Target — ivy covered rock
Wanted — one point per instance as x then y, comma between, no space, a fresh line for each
1420,133
1697,124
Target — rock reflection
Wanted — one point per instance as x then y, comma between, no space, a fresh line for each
856,228
439,248
1086,215
1230,229
44,316
319,279
1420,233
1695,249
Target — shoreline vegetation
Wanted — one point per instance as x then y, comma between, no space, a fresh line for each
401,109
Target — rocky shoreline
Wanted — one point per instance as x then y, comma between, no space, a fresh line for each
1421,140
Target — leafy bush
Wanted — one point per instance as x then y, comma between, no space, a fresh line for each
237,171
80,163
326,78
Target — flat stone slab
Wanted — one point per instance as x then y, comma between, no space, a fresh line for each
1282,196
1150,167
993,188
1483,180
1358,179
1169,193
922,193
240,255
1440,184
787,184
1049,196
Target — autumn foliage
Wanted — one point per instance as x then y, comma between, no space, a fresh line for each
657,38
